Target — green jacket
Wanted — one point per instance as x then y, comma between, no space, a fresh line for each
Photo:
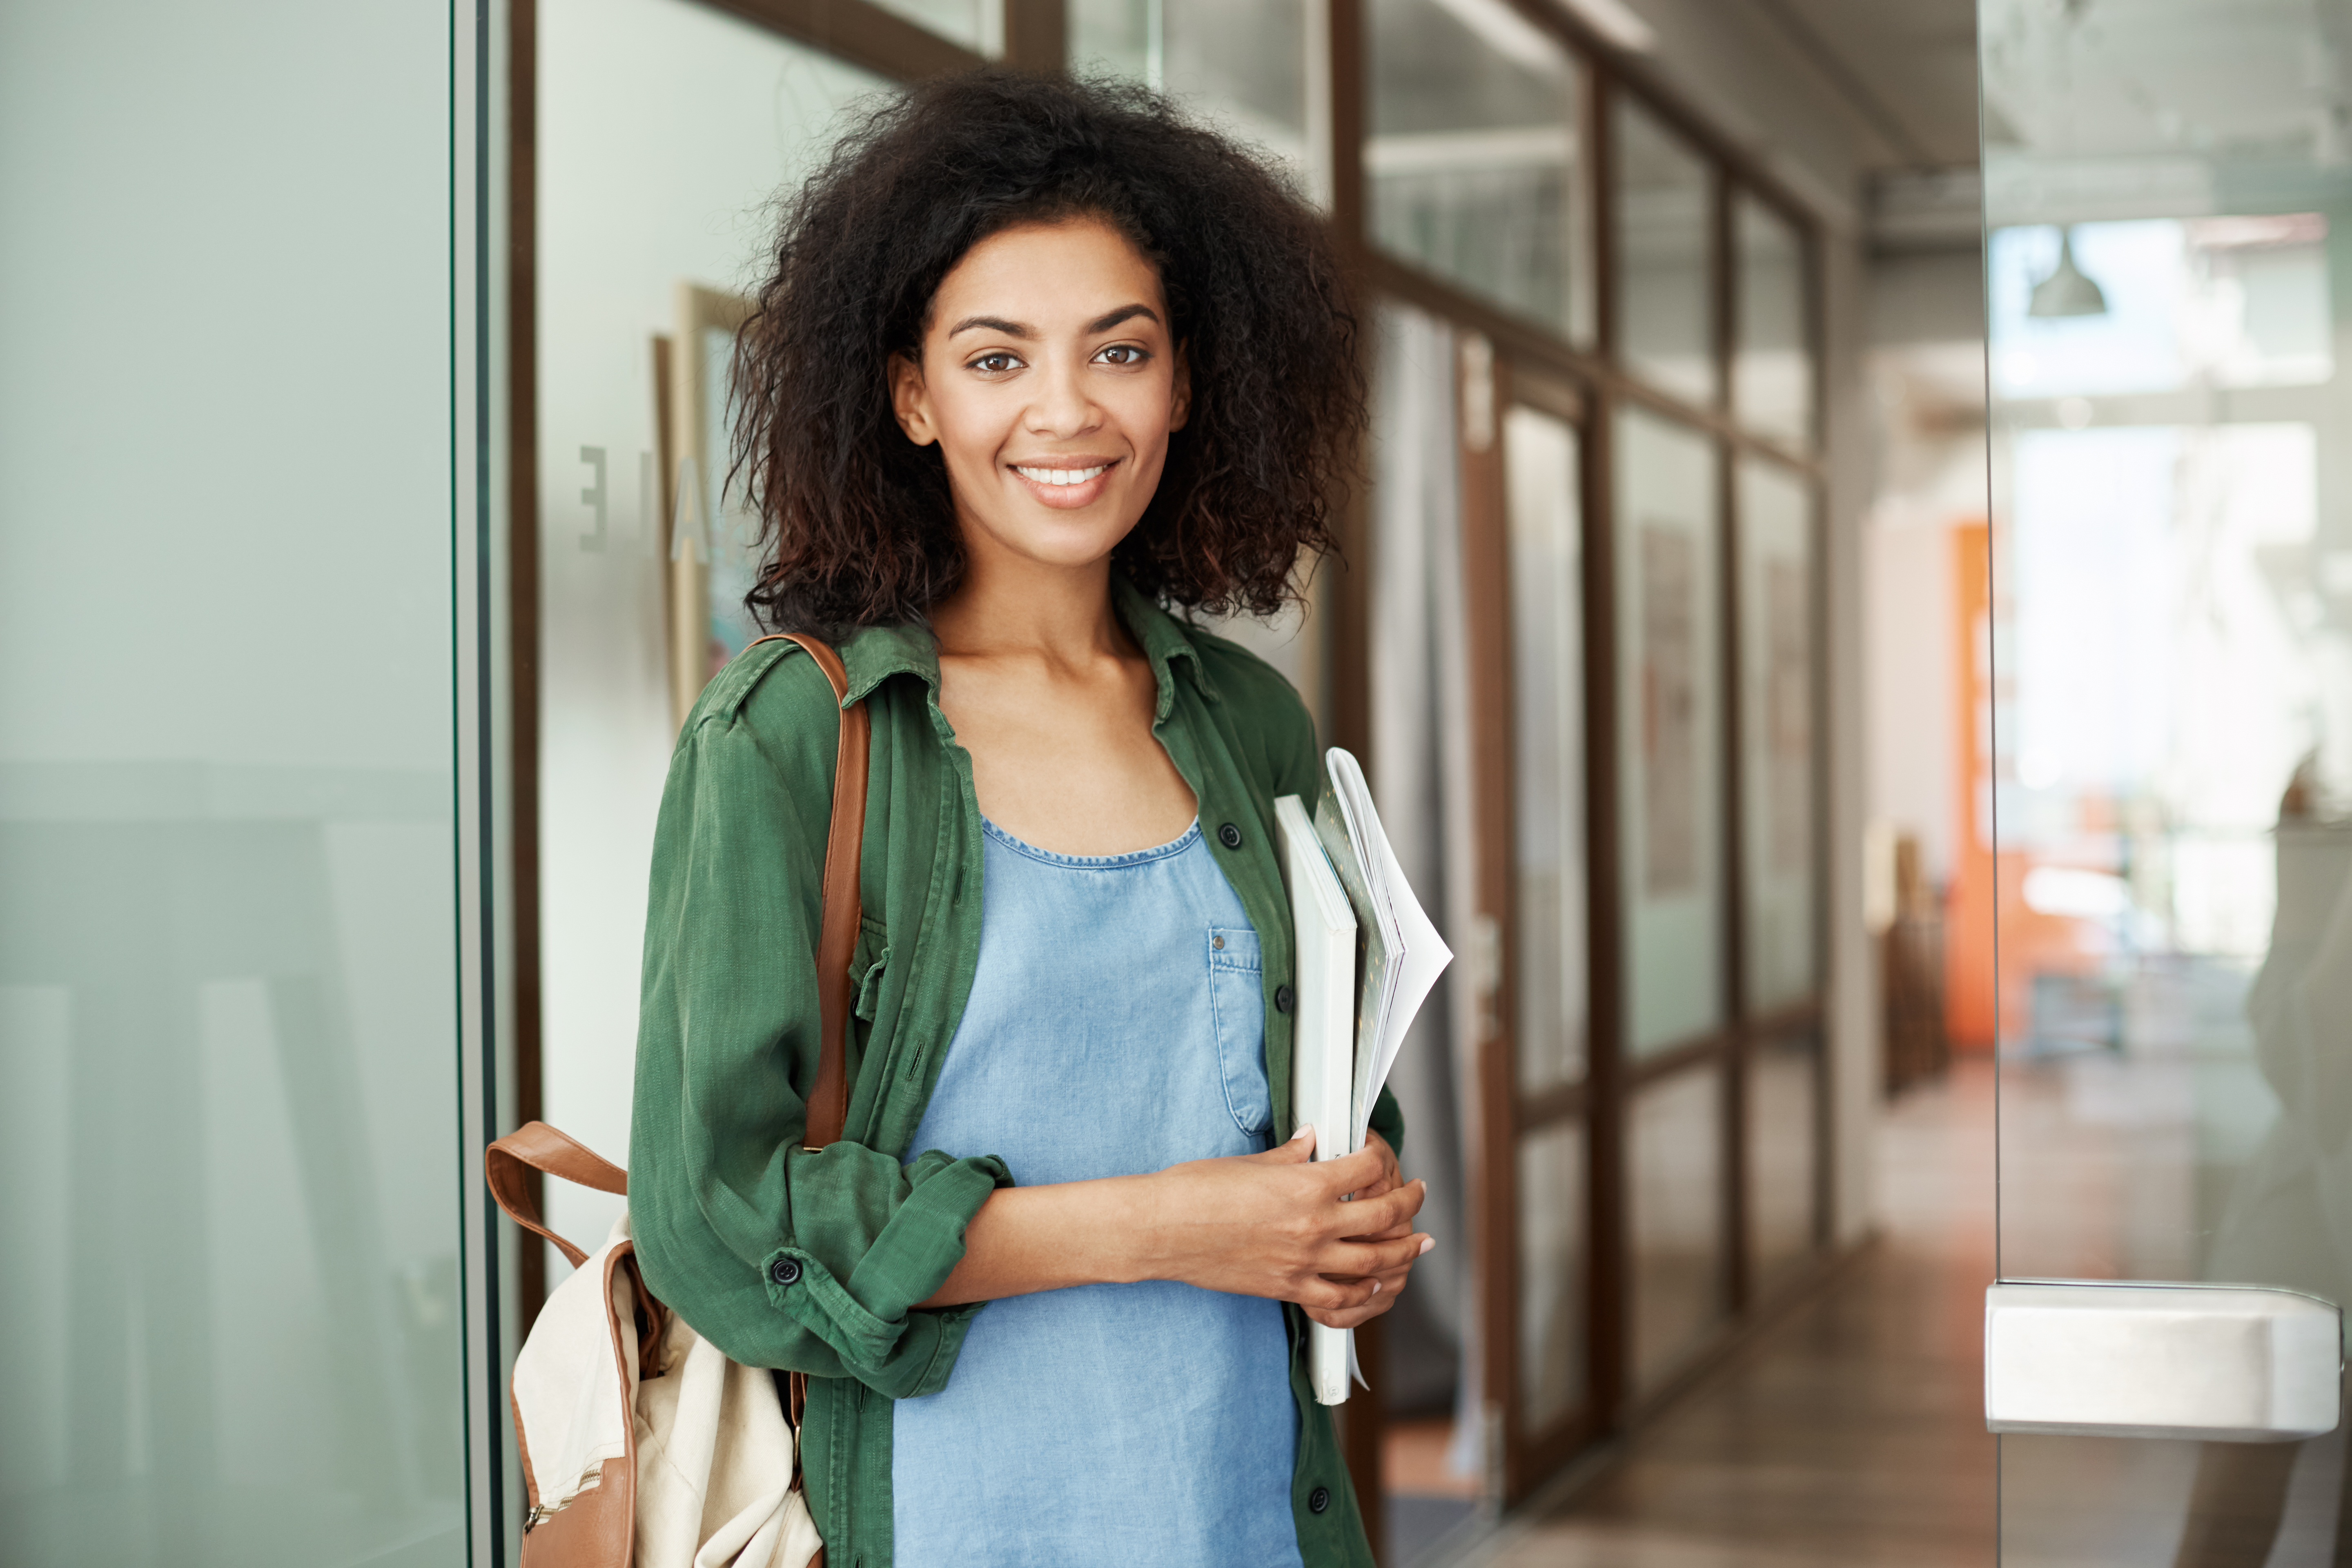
815,1261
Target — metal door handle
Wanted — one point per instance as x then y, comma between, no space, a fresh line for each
2232,1363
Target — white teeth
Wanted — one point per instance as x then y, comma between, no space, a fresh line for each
1061,475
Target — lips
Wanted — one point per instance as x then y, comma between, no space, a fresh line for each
1067,485
1059,477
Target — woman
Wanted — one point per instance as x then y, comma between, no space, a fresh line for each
1037,361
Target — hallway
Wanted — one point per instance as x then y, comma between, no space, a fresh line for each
1852,1432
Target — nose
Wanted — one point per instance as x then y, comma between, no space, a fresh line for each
1063,409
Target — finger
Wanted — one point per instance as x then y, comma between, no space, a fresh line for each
1373,1257
1354,1317
1296,1151
1402,1227
1388,1182
1372,1216
1346,1173
1337,1295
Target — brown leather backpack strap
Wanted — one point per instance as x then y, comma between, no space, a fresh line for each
536,1146
828,1102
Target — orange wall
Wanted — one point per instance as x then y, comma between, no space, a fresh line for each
1993,943
1970,981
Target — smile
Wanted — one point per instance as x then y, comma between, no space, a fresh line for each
1062,476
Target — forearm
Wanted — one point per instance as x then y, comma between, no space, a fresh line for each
1026,1239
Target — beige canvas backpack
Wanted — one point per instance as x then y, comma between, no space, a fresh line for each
642,1445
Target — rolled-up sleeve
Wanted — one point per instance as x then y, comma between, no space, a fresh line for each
780,1256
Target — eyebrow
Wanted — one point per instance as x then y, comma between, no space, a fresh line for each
1124,314
1102,323
994,324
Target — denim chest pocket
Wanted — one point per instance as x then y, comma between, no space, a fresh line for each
1237,1005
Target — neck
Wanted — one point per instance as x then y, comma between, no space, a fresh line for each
1010,604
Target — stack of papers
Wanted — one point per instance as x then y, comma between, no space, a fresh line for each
1367,956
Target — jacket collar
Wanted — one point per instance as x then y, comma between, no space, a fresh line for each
874,654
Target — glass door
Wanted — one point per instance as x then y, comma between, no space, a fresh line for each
2164,817
1549,968
1524,556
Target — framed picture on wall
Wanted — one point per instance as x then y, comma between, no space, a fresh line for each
709,533
1669,710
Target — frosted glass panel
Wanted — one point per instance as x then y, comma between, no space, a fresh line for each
666,129
1776,733
1670,797
1772,364
228,1053
1551,968
1673,1142
1256,68
1472,157
1552,1264
1666,257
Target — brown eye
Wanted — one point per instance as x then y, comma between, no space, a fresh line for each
1121,354
995,364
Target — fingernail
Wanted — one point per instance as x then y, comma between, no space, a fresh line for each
1427,1242
1376,1287
1305,1130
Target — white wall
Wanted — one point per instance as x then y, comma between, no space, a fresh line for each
666,130
1925,373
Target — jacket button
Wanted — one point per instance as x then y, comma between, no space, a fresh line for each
1230,836
1319,1499
1283,998
785,1271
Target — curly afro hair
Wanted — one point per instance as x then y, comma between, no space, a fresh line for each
857,527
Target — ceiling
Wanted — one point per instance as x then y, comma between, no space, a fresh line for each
1905,71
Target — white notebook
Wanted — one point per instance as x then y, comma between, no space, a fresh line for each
1322,1038
1367,956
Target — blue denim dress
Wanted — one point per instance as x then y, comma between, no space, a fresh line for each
1114,1027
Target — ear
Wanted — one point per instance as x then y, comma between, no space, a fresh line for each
1180,402
910,400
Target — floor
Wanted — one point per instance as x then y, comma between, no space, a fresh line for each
1852,1432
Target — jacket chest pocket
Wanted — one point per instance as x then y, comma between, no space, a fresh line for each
1237,1005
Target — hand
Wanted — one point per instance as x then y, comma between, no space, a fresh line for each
1393,1282
1276,1225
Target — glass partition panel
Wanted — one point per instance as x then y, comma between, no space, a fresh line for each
229,1122
1665,248
1551,972
1256,68
1783,1155
1772,360
1674,1230
2167,801
1670,795
666,129
1552,1263
1776,734
1472,158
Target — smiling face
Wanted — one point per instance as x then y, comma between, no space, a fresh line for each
1050,381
